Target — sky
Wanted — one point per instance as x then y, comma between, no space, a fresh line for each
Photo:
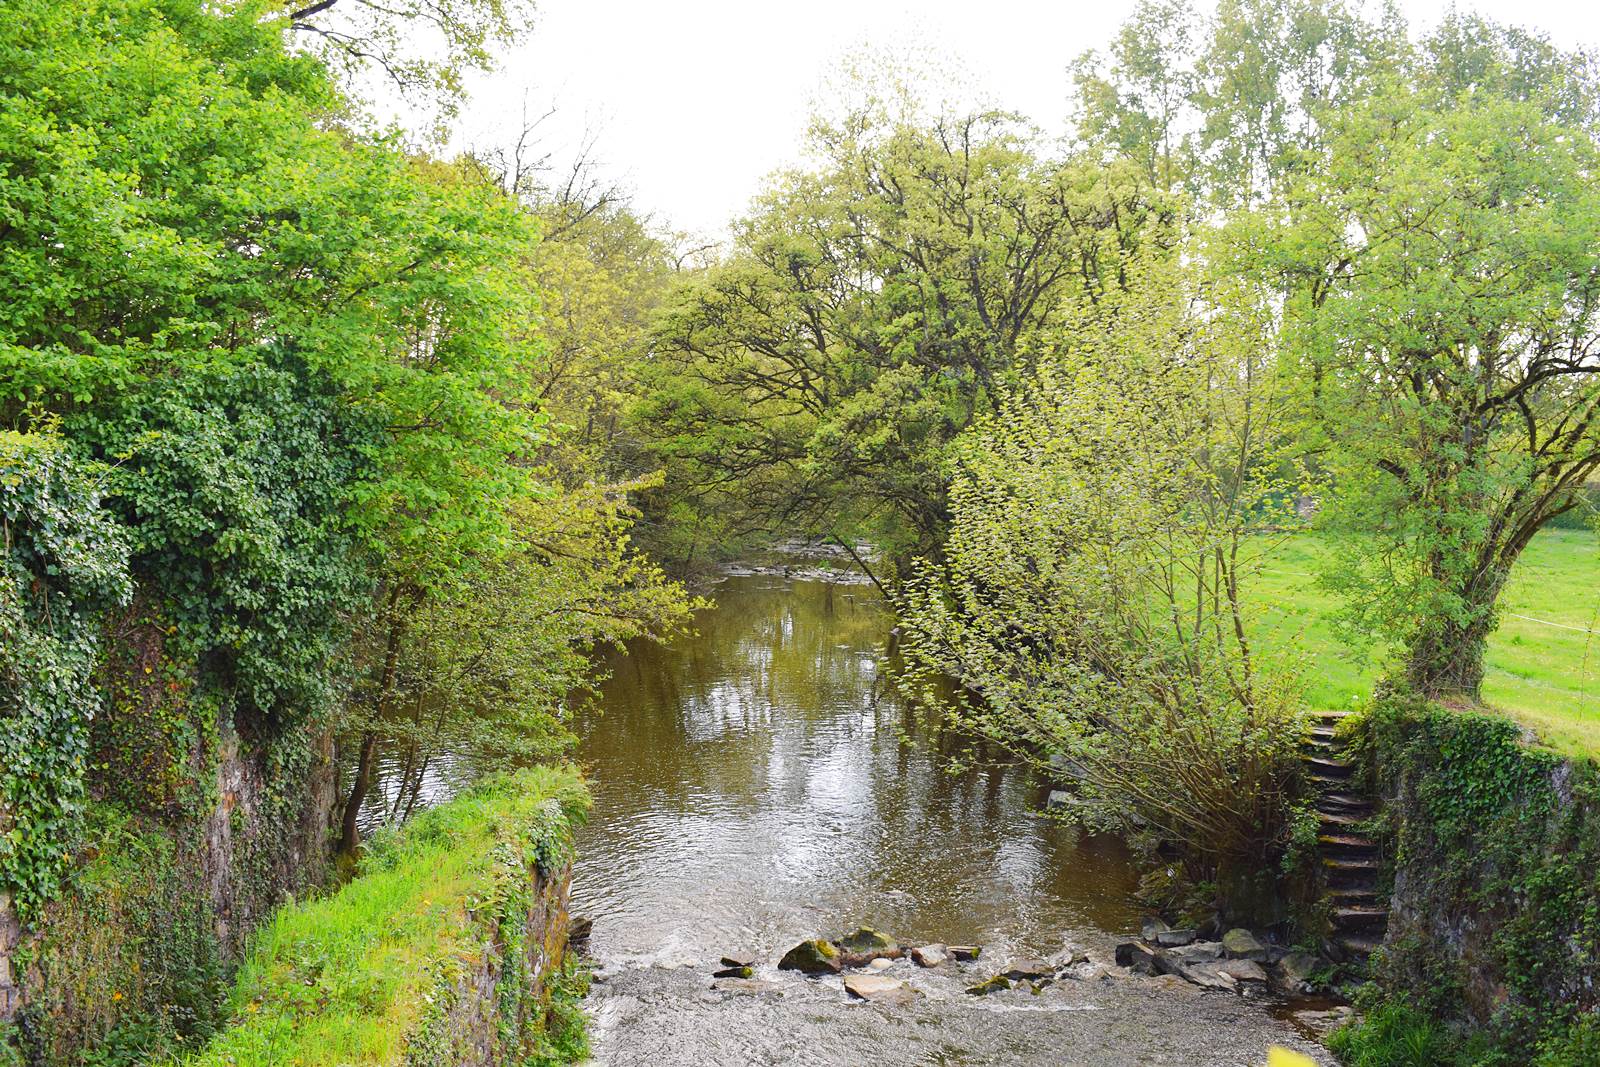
692,103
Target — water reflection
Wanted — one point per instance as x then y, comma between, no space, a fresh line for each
761,782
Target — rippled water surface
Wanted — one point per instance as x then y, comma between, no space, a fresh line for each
760,782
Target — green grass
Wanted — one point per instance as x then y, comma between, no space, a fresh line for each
1545,676
349,979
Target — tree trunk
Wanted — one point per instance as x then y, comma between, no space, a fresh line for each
1445,660
350,835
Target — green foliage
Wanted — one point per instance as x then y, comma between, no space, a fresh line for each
65,560
1395,1035
367,975
1094,591
871,309
1487,828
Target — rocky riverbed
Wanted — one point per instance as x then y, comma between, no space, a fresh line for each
1078,1008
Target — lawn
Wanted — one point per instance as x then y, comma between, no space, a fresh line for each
1543,664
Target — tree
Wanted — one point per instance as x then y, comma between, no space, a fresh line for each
1442,265
871,309
1093,605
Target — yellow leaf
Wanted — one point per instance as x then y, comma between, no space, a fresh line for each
1282,1057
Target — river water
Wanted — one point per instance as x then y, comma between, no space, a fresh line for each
760,783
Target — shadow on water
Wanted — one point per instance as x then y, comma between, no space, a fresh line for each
761,782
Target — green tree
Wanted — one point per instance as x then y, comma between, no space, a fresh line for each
1443,277
871,308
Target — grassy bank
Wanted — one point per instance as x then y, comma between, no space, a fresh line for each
364,976
1544,673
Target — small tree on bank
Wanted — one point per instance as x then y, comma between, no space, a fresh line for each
1093,603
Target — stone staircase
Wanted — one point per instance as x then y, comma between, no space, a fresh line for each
1351,866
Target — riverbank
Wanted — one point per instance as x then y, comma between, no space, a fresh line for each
445,949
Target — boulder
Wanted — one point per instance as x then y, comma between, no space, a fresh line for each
1174,938
1241,944
739,959
578,931
1058,800
880,964
1243,970
734,972
812,957
1137,956
929,955
1199,952
1292,974
1152,926
965,953
1209,976
879,988
996,984
1069,955
1028,970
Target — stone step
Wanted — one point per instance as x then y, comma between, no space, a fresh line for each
1328,715
1361,916
1339,821
1343,803
1353,896
1352,863
1347,842
1333,768
1359,944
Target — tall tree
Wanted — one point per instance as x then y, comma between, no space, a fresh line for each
869,311
1444,269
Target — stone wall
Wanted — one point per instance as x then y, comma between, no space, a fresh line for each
500,999
1495,860
164,904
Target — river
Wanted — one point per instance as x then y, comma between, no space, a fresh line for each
759,783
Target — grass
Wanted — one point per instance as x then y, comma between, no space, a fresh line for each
350,979
1545,673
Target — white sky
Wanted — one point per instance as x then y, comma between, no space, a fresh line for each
695,101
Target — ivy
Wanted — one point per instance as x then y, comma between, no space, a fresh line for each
65,560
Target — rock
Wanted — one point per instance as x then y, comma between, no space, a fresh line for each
578,931
880,964
1174,938
1321,1022
1199,952
734,972
1292,974
990,985
1209,976
1243,970
1069,955
739,959
929,955
965,953
1137,956
1058,800
1151,927
865,941
750,986
812,957
1028,970
1241,944
880,989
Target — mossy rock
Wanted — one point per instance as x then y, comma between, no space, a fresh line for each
864,940
997,984
812,957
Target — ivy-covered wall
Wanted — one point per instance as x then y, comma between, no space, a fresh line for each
1494,933
134,960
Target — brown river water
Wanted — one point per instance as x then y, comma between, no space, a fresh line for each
759,783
